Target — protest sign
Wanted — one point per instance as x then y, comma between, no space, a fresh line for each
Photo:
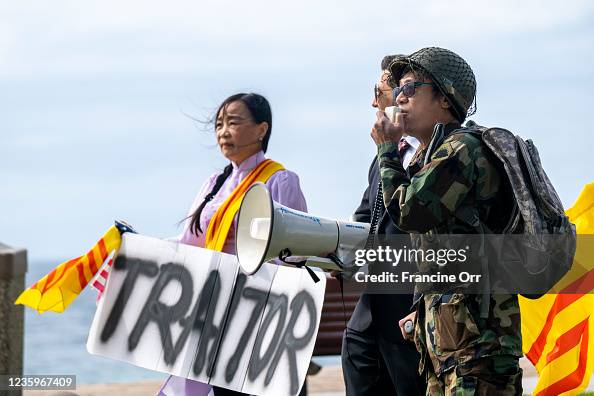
192,313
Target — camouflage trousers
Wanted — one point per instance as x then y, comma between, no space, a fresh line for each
463,353
497,375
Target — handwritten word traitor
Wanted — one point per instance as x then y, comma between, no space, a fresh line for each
190,312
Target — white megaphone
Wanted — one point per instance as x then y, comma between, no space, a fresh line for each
268,230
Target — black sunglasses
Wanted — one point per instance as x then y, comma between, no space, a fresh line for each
377,91
409,89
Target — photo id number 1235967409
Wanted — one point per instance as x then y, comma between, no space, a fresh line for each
37,382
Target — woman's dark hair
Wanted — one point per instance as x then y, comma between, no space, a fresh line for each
259,109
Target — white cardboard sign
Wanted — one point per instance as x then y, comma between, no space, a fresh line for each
191,312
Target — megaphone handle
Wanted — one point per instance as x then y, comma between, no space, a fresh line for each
336,260
286,252
283,254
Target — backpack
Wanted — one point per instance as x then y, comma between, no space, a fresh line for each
538,219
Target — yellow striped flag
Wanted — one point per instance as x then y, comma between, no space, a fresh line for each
558,329
56,290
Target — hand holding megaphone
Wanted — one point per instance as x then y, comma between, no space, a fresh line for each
389,126
391,112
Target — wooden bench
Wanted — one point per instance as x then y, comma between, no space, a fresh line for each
335,315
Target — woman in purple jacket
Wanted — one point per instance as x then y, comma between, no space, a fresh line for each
243,124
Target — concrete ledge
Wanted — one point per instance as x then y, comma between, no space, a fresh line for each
13,262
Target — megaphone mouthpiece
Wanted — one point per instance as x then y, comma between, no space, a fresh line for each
259,228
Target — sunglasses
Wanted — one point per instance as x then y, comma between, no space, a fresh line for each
377,91
409,89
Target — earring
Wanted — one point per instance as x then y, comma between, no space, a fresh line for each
261,138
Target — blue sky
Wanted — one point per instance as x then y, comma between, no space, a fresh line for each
95,99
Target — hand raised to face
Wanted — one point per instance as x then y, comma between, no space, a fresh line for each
385,131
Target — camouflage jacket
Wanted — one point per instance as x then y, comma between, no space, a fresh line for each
459,177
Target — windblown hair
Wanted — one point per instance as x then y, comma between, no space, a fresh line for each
259,109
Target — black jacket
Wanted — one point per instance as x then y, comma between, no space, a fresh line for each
379,313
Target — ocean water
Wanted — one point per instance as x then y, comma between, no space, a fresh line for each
56,343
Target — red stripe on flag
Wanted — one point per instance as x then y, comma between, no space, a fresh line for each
561,302
69,264
81,276
574,379
92,263
50,277
102,249
99,286
585,283
104,274
568,340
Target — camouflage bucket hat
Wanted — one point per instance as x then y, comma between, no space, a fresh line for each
453,76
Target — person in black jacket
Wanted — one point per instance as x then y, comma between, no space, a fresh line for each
376,359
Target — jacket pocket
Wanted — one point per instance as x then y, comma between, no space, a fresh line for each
455,326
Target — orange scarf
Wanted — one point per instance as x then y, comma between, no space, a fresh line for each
221,221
